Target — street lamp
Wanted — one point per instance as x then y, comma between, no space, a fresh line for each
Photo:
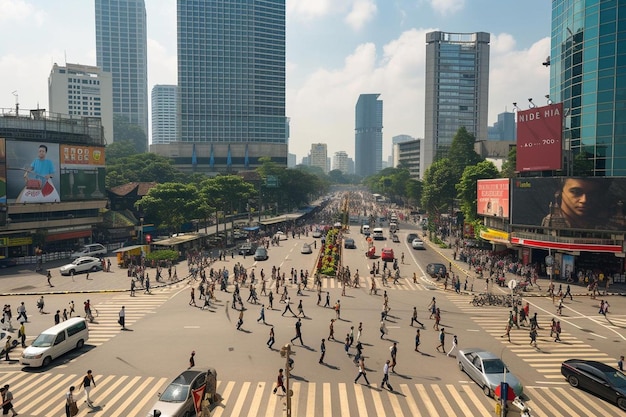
141,231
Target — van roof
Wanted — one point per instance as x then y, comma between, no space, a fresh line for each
63,325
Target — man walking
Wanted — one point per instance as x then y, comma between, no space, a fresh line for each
327,304
298,332
414,318
442,341
87,383
262,315
301,310
279,382
394,353
288,307
192,301
454,345
122,320
362,372
386,376
7,349
270,341
322,350
7,403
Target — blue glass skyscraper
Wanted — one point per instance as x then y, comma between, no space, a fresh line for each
588,74
121,49
368,142
231,71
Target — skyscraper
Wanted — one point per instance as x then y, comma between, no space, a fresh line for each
340,162
319,156
121,49
231,71
394,141
588,75
368,140
164,123
82,91
457,89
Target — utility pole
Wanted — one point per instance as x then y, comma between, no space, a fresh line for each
285,352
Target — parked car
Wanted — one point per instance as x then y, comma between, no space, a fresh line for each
82,264
349,243
410,237
94,249
260,254
317,233
306,249
387,255
598,378
247,248
487,370
418,243
56,341
435,269
177,398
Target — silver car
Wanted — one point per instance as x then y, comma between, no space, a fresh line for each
177,399
487,370
82,264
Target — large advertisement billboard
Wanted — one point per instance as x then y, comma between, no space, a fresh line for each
493,197
539,138
592,203
82,172
32,172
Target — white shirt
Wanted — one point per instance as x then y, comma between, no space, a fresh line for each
386,369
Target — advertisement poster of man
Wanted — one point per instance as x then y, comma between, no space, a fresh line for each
82,172
591,203
32,172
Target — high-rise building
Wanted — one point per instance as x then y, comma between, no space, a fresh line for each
231,83
319,156
368,142
394,141
82,91
587,74
164,105
504,128
456,91
340,162
409,155
291,160
121,49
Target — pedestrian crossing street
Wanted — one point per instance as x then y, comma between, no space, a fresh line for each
124,396
105,325
404,284
546,359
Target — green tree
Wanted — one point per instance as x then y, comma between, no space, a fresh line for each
510,165
583,165
170,204
337,177
438,187
461,152
124,130
118,150
143,167
466,188
414,191
226,193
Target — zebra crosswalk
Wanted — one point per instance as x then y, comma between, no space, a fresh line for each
547,357
404,284
124,395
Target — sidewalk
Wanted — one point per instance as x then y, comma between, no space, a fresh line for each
23,280
461,268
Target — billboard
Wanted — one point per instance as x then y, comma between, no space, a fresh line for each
493,197
592,203
539,138
32,172
82,172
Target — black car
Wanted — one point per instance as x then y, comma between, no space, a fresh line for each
410,237
597,378
247,249
436,269
349,243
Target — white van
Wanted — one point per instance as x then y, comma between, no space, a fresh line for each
365,229
54,342
377,234
95,249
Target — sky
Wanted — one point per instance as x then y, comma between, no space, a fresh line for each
336,50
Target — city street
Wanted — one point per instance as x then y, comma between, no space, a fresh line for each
131,366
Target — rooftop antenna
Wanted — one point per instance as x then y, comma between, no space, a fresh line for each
17,104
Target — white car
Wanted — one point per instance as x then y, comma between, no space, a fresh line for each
317,233
82,264
417,243
93,249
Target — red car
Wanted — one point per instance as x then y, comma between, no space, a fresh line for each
387,255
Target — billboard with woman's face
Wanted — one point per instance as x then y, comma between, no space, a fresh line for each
32,172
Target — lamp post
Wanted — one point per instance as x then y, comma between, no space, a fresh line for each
141,230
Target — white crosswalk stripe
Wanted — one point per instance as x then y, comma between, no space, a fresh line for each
123,395
404,284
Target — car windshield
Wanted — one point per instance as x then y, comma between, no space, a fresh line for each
493,366
175,393
617,379
44,340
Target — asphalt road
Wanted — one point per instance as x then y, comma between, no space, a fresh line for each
132,366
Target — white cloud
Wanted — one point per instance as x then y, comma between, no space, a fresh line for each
19,10
312,9
502,43
362,12
445,7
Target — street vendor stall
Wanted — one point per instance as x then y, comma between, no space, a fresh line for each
131,254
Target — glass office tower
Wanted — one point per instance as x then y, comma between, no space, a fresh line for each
231,71
588,74
121,49
456,90
368,142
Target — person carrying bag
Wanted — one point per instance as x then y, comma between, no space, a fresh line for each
71,409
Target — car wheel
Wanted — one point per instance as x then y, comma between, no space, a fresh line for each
94,268
621,403
80,344
461,367
47,361
573,381
487,390
72,272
